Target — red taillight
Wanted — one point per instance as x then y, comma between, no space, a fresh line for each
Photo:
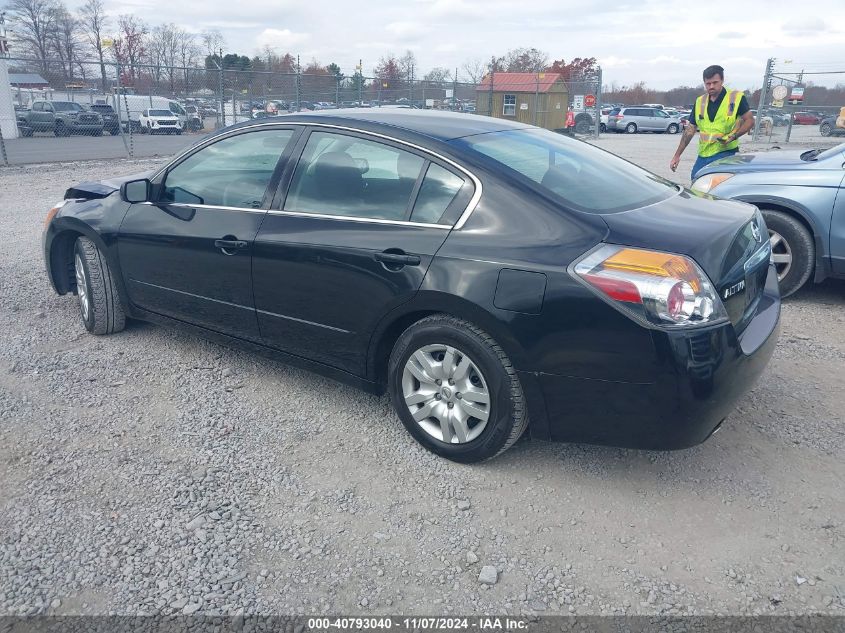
618,289
618,116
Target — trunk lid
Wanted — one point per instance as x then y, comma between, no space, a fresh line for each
726,238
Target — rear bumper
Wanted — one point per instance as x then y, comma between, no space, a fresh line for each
702,376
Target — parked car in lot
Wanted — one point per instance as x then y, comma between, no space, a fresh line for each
828,126
801,194
195,122
63,118
806,118
110,122
633,119
24,129
481,271
159,122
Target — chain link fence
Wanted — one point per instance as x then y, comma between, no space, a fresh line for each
93,110
798,105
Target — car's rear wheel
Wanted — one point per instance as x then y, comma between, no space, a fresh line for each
631,128
99,303
825,129
673,128
455,390
603,128
793,250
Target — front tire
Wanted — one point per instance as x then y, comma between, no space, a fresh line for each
793,250
455,390
631,128
99,302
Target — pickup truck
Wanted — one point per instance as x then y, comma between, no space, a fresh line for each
63,118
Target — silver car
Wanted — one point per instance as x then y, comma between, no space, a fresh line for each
633,119
801,194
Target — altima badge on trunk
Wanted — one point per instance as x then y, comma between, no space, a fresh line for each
730,292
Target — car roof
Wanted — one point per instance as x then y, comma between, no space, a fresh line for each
435,124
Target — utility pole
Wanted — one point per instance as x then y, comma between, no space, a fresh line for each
791,114
490,94
298,84
360,81
764,96
411,87
222,95
598,104
455,87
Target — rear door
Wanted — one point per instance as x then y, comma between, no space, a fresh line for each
187,254
350,238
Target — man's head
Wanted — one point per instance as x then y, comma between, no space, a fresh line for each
714,77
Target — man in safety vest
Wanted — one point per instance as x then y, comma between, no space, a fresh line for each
720,117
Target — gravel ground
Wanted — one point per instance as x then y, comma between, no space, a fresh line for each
155,472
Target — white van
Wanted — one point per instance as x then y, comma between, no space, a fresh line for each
659,106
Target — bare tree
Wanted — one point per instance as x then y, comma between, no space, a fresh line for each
212,41
64,39
32,22
475,68
189,51
438,75
94,24
407,64
129,46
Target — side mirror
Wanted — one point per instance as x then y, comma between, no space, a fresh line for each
136,191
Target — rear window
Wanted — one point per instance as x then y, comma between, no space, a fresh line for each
66,106
102,108
583,177
615,111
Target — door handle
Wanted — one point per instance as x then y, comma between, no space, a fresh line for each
401,259
229,246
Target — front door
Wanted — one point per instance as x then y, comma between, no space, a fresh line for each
187,253
837,228
352,239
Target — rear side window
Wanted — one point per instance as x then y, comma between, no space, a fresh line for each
583,177
38,106
438,190
351,176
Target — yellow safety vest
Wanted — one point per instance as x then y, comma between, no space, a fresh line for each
724,124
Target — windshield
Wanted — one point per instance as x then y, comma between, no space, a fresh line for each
66,106
160,113
586,178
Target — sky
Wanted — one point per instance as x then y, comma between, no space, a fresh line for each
665,44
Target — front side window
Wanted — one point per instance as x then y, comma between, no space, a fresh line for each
38,106
510,105
233,172
352,176
584,177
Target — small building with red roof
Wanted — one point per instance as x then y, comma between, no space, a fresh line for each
535,98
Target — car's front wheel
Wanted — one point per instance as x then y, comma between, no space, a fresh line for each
99,303
455,390
793,250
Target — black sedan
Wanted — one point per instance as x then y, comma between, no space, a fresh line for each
491,276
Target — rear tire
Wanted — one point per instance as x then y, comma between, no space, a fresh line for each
476,364
631,128
793,250
673,128
825,129
603,128
99,302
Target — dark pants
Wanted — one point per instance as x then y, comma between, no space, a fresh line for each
701,161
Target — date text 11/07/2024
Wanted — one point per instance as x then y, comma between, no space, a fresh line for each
417,623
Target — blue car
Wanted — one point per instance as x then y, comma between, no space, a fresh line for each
801,194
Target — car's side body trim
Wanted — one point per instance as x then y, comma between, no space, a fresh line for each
476,196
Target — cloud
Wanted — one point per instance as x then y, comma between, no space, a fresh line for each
282,39
731,35
613,62
406,30
807,26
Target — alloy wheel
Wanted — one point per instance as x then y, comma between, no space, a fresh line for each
781,254
82,288
446,393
